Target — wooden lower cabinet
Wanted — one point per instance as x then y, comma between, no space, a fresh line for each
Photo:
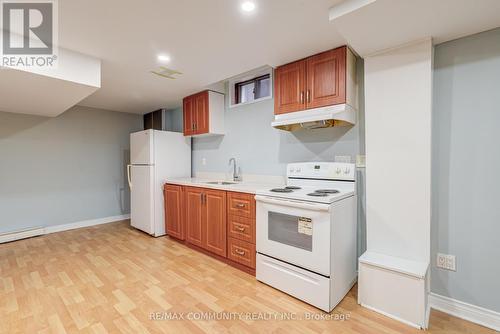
206,219
241,251
174,211
193,201
214,222
219,222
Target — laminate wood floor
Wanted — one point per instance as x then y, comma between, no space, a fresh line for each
114,279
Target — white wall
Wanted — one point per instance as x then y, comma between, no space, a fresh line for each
398,89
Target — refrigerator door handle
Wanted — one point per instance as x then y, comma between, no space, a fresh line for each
128,176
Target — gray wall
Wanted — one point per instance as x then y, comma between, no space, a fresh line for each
64,169
466,166
173,120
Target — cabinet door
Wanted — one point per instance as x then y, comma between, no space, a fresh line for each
194,215
289,87
326,78
187,108
173,211
201,113
214,221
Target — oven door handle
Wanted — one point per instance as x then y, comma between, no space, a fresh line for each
293,203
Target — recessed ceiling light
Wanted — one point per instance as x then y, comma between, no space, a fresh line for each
164,58
248,6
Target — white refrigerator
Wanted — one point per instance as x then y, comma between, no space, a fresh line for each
154,157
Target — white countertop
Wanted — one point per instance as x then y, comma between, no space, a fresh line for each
243,187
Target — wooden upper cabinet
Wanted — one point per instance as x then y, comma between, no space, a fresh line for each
204,114
318,81
201,113
174,224
326,79
214,223
188,120
194,215
289,87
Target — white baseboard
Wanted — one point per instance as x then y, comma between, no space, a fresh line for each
85,223
406,322
33,232
469,312
21,234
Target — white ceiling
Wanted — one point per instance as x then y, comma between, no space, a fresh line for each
388,23
211,40
208,40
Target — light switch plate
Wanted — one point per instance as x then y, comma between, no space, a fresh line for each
446,261
361,161
204,161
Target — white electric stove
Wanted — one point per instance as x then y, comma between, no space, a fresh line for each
306,233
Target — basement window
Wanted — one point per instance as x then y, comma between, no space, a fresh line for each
253,89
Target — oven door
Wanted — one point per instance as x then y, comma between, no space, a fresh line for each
295,232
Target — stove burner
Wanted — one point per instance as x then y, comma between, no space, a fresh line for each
316,194
281,190
293,187
327,191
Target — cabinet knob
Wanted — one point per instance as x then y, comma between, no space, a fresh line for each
239,228
239,251
240,205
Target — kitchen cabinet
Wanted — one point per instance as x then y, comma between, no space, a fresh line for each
219,222
289,87
214,222
318,81
193,206
174,211
241,228
241,252
206,219
203,114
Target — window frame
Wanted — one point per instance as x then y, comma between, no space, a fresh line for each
235,82
256,81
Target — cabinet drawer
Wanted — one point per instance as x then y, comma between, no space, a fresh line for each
240,204
241,228
241,251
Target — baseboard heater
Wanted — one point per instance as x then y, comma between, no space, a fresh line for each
21,234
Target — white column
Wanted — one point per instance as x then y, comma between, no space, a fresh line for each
398,103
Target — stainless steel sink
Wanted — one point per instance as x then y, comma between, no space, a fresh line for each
222,183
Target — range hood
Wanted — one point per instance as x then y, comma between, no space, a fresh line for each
325,117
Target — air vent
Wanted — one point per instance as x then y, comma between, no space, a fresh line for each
166,72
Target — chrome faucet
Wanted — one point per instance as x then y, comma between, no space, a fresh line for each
236,176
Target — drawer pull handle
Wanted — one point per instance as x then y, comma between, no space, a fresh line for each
240,205
239,228
239,252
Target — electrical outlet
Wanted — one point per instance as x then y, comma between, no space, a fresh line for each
446,261
343,158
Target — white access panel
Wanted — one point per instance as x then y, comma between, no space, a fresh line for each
142,148
394,287
142,197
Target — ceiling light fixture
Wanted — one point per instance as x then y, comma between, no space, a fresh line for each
164,58
248,6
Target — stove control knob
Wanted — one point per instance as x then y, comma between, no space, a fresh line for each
298,170
347,170
338,171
